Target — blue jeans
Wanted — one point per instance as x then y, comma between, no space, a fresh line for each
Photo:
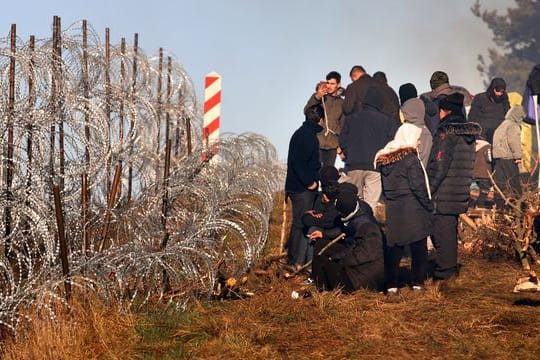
298,245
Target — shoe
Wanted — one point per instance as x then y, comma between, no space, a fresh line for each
392,292
308,281
418,288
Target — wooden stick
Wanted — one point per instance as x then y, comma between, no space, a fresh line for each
306,265
283,226
467,220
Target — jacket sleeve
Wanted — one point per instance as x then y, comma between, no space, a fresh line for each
344,136
417,184
311,102
303,151
514,140
349,101
476,109
441,163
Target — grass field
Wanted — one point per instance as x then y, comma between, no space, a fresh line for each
474,316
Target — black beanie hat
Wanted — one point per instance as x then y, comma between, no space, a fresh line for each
437,79
453,102
328,174
407,91
315,113
346,202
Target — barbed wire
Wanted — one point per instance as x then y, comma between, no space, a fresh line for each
83,114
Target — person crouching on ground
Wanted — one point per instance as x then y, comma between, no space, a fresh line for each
360,254
324,225
408,206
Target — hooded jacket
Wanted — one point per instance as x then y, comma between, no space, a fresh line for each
482,159
408,207
507,137
413,111
365,132
431,102
451,162
361,256
303,161
488,111
328,138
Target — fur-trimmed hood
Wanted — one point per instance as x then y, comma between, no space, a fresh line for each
395,156
460,128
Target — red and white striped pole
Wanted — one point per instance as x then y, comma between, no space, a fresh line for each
211,116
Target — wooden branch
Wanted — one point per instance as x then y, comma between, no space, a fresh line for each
283,226
306,265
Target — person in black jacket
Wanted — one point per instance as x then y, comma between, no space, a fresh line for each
391,100
489,108
408,210
324,224
362,255
301,183
362,134
356,91
450,169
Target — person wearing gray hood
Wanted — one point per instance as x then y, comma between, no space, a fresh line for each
507,152
414,111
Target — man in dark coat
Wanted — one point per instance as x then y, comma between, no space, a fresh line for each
361,252
301,183
391,101
489,108
328,94
356,91
363,134
450,170
440,88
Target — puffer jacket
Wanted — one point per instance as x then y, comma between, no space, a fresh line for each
408,207
507,137
451,162
328,138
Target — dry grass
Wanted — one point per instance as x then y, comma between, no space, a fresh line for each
90,330
474,316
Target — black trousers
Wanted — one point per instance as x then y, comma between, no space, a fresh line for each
419,263
507,178
445,241
298,245
328,157
328,274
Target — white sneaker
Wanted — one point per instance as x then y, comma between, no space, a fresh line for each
391,292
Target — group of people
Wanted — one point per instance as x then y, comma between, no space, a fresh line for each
419,155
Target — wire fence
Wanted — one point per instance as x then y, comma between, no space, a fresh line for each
137,213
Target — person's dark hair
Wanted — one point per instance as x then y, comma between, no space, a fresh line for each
453,102
314,113
334,75
381,77
357,67
438,78
407,91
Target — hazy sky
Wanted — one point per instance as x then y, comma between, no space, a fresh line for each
271,53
